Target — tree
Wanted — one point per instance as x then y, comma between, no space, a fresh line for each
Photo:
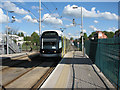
91,35
109,34
27,38
71,38
85,36
11,31
21,34
35,38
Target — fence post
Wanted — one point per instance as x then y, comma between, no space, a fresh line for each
118,67
118,70
118,75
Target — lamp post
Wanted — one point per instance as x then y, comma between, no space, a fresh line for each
7,35
7,31
39,17
82,31
40,22
82,34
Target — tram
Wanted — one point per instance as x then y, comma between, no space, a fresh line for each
53,44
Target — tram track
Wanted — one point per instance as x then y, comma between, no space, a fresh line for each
7,67
46,70
11,62
18,76
17,72
39,83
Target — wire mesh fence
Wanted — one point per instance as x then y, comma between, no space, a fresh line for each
105,53
30,47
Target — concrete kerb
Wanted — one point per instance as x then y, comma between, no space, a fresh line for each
7,58
101,75
31,55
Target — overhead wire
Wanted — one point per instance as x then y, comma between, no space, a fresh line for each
27,10
45,7
50,12
55,7
32,12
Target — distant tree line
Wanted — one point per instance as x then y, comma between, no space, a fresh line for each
32,40
108,34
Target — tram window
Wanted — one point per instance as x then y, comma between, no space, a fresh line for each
60,44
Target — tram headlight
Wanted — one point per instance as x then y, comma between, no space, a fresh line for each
43,51
54,51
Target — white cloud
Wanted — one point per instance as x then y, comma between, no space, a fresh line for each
1,5
37,31
55,15
18,20
70,11
89,32
3,17
20,1
48,19
95,21
12,7
113,29
84,31
35,7
42,26
22,31
75,37
66,19
69,33
94,28
29,18
68,26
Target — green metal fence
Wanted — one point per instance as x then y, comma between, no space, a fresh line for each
105,53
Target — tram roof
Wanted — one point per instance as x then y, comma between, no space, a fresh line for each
58,32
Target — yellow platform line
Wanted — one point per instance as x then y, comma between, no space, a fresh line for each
62,81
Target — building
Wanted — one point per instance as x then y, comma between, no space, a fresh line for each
12,46
99,35
19,40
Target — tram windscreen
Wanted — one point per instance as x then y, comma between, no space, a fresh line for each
50,45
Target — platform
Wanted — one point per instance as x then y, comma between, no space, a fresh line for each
9,56
76,71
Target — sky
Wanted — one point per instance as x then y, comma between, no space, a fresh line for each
97,16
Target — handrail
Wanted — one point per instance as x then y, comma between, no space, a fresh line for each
11,43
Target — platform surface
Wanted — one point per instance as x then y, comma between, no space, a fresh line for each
75,71
5,56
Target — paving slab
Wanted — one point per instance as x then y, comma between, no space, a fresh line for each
77,72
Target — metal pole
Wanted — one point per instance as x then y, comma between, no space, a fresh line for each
40,22
82,32
7,35
118,71
39,17
118,75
